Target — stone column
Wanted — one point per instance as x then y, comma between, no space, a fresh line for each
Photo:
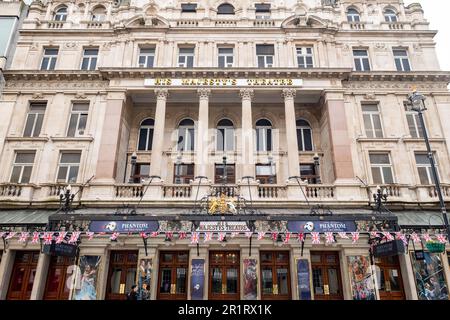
247,147
202,132
158,134
110,139
6,267
291,132
40,279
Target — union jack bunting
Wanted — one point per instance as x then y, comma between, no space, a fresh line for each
287,237
182,235
221,236
426,237
36,236
274,236
169,235
208,236
2,234
374,234
61,236
441,238
48,237
301,237
24,236
195,236
74,237
261,235
154,234
248,234
343,235
234,234
355,237
315,237
10,235
415,237
90,235
143,235
401,236
329,238
388,236
114,236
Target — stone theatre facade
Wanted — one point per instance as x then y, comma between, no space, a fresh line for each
222,117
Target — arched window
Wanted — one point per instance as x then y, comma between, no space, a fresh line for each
61,14
146,135
353,15
390,15
304,136
263,135
225,135
225,8
186,135
99,14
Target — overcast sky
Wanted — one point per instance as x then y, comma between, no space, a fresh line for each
436,12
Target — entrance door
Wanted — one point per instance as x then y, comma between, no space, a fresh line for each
121,274
172,276
56,288
224,283
326,274
391,283
23,273
275,275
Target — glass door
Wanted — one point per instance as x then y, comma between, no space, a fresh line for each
224,275
122,274
56,287
172,276
23,273
326,276
390,278
275,275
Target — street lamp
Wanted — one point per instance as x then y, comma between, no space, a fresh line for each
133,167
316,168
380,197
66,199
224,177
178,169
417,103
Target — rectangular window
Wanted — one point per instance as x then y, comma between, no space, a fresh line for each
372,121
265,54
308,172
188,7
146,57
424,168
186,138
401,60
78,119
35,118
225,138
186,57
226,57
49,59
142,172
414,126
381,168
266,173
219,176
264,139
69,165
184,173
305,57
262,10
22,167
89,61
361,58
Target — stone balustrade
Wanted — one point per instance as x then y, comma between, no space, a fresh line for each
55,24
10,190
268,191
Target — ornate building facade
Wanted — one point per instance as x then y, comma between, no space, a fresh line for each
251,122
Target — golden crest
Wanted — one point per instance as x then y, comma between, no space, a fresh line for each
221,205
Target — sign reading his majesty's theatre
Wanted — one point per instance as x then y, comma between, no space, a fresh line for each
223,226
223,82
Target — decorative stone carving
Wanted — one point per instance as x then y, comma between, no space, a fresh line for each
370,96
204,93
162,93
70,45
34,46
80,95
46,85
246,94
288,93
380,47
38,95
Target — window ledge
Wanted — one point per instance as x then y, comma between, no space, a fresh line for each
35,139
409,139
87,138
362,139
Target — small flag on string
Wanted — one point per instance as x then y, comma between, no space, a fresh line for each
10,235
90,235
221,236
426,237
329,238
195,236
61,236
343,235
2,234
143,235
169,235
388,236
441,238
114,236
415,237
234,234
374,234
207,236
249,234
24,236
261,235
315,237
401,236
154,234
274,236
48,237
301,237
287,237
355,237
36,237
182,235
74,237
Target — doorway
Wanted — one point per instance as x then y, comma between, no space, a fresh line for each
172,275
390,278
224,280
55,287
326,275
122,274
22,277
275,275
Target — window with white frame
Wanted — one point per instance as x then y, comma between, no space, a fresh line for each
353,15
146,57
226,58
414,126
35,118
146,135
186,57
305,57
78,119
361,59
99,14
22,167
89,61
265,54
401,60
69,165
266,173
304,136
372,120
186,135
49,59
424,168
262,11
390,15
381,168
225,135
60,14
263,135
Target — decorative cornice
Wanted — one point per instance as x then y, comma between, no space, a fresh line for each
162,94
288,93
204,93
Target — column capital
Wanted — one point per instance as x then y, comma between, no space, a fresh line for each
162,93
288,93
204,93
246,94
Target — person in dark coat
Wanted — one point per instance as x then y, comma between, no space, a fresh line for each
132,295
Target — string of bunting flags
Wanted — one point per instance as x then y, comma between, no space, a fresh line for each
48,237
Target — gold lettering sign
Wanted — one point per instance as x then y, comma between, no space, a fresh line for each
223,82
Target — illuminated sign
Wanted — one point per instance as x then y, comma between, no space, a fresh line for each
223,226
223,82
